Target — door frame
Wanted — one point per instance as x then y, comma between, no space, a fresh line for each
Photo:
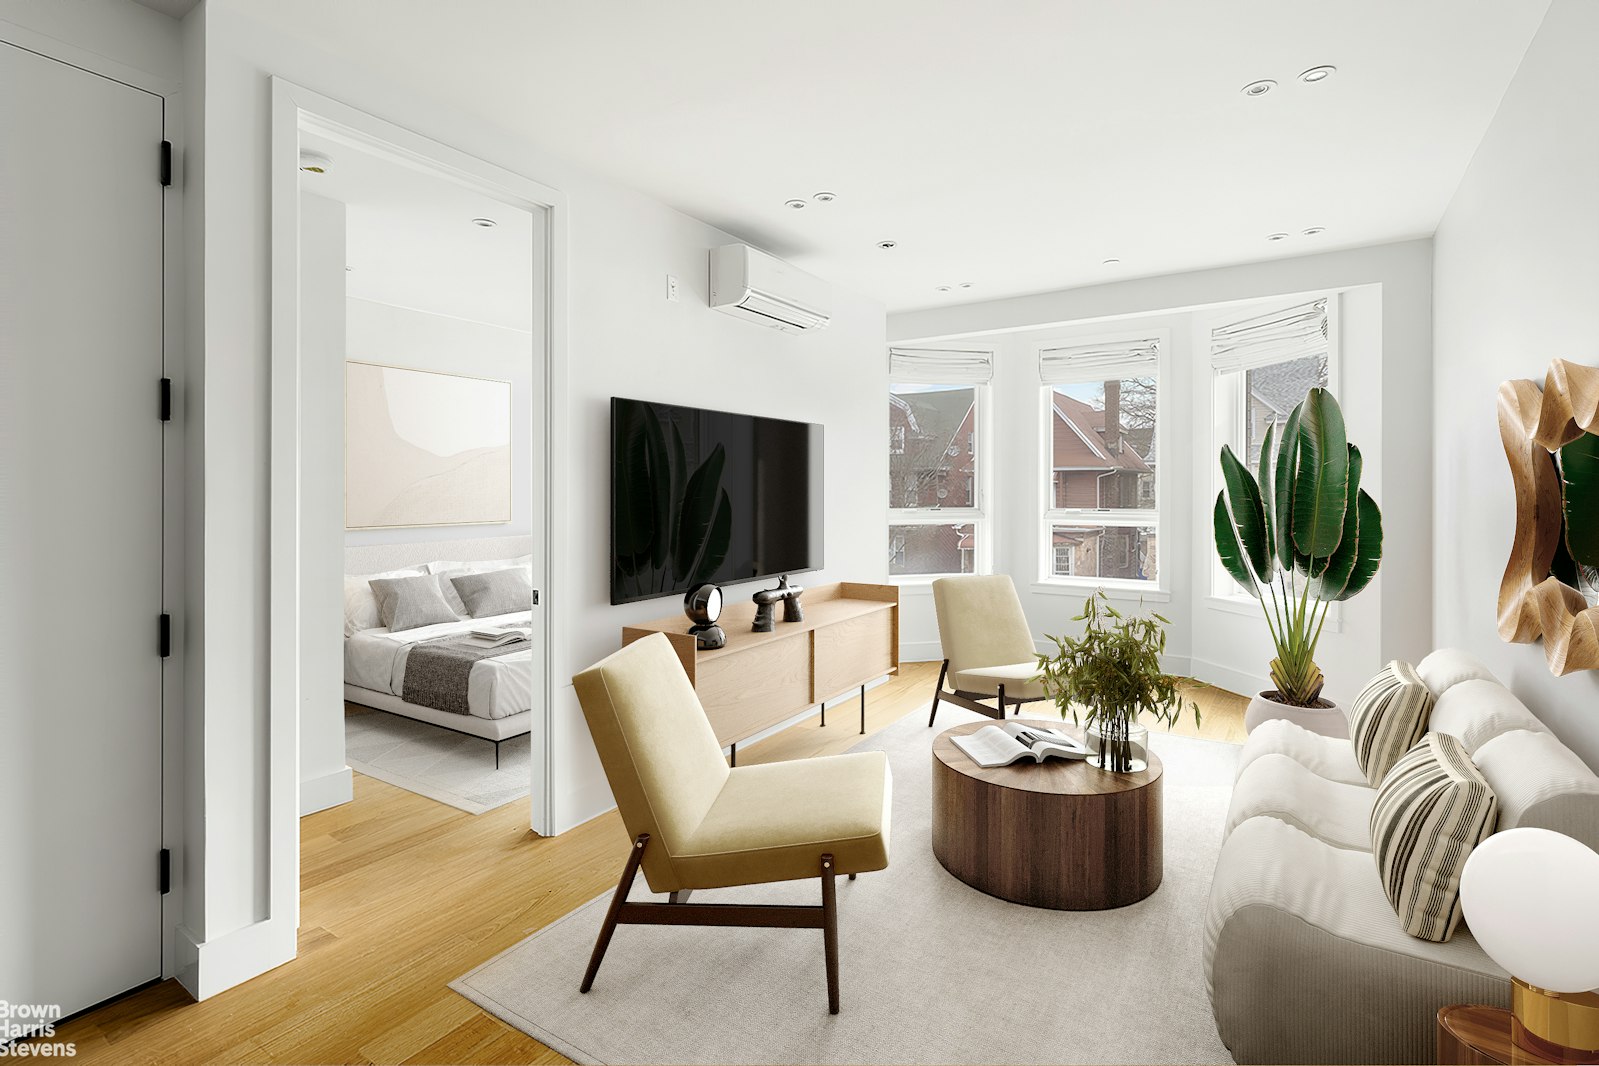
293,105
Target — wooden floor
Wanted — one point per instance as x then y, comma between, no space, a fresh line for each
401,895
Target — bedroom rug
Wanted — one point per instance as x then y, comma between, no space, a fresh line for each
931,970
442,765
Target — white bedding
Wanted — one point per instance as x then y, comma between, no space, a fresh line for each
496,688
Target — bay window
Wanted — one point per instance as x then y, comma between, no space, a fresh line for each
1101,486
937,413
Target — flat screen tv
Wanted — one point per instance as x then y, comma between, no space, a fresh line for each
701,496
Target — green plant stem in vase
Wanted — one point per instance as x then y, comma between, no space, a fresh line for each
1106,677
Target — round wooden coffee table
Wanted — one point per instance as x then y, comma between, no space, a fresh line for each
1058,834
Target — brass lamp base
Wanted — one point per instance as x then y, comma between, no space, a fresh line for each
1554,1026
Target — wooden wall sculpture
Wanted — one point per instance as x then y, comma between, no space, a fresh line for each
1534,424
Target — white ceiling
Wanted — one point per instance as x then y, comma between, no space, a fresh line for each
174,8
410,240
1012,145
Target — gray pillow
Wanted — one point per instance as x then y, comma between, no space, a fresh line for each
496,592
409,602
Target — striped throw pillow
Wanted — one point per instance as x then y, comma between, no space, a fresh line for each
1388,717
1431,810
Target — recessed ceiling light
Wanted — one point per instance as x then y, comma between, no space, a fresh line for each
885,245
1276,236
966,284
1259,88
348,269
1315,74
1312,231
486,223
941,288
795,204
825,197
1112,261
312,162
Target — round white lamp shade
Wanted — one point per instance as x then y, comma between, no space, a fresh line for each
1531,897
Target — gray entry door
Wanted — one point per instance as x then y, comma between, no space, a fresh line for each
80,533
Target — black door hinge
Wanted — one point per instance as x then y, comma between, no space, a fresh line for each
164,640
166,163
166,399
166,870
535,597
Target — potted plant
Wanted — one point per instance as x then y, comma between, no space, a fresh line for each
1108,676
1301,537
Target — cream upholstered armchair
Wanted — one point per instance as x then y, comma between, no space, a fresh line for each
988,649
697,823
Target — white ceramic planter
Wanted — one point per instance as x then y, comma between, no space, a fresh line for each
1329,721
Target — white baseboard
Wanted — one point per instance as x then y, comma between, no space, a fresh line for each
329,790
920,651
205,969
1236,681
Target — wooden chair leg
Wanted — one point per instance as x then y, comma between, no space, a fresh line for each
852,877
937,692
1002,703
629,871
830,932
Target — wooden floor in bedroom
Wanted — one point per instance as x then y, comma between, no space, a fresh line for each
401,895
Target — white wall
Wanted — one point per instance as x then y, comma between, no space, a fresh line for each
1385,389
1517,270
324,776
623,336
421,340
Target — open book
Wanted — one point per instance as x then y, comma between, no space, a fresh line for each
1008,742
496,636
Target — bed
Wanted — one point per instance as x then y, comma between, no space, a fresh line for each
499,691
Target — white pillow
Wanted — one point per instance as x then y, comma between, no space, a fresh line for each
361,605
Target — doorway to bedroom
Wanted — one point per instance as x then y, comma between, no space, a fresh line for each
423,349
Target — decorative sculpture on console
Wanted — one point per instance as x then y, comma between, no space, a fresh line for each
1551,438
766,601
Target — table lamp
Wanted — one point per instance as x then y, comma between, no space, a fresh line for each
1531,898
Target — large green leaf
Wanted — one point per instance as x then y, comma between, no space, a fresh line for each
1368,555
700,498
1321,478
1283,495
1228,548
1579,476
1264,479
716,542
1248,514
1329,584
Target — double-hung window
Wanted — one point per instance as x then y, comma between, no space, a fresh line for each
937,414
1261,367
1101,404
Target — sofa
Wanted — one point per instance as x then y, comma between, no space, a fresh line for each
1305,959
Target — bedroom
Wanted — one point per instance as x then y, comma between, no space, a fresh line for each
418,327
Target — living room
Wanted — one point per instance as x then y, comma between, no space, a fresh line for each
1369,230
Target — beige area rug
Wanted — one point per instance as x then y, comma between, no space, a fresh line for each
441,764
931,970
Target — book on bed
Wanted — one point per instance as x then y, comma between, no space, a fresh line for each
498,636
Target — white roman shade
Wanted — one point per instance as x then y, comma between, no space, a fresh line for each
1291,333
1099,362
939,366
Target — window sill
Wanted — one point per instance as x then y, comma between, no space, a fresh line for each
1085,587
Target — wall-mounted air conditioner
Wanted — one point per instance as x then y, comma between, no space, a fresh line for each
751,284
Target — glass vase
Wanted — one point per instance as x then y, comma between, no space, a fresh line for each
1121,747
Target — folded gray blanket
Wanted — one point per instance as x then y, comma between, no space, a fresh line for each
437,671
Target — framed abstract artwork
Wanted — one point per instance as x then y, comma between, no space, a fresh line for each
423,448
